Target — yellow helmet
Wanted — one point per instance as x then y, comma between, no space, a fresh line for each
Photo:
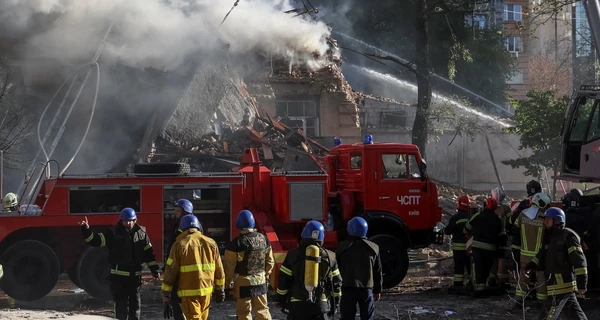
10,200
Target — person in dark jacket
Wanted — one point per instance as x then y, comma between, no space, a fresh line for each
182,207
128,248
455,227
360,266
486,228
292,293
564,265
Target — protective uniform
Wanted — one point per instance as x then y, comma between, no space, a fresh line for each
486,228
533,187
499,273
360,266
195,263
187,208
303,291
580,220
528,234
565,268
127,251
455,227
248,263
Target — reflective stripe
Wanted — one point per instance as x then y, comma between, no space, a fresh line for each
195,292
541,296
562,288
220,282
559,278
165,287
528,253
459,277
484,246
459,246
169,261
282,292
179,230
148,246
102,240
88,239
197,267
152,263
580,271
337,294
524,241
286,271
575,248
124,273
335,272
538,242
514,246
535,260
465,220
520,293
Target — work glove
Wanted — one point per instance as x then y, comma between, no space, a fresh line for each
168,310
220,295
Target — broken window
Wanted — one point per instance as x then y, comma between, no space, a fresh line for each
300,114
355,160
394,166
103,199
393,119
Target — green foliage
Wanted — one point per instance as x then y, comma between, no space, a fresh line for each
539,120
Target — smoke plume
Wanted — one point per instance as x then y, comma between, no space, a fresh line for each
160,33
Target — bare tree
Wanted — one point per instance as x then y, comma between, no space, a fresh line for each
550,70
15,121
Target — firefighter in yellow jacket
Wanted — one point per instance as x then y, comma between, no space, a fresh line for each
248,263
195,261
528,235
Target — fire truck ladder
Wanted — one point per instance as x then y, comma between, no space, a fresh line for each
57,131
45,169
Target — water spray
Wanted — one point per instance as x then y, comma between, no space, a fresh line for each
72,78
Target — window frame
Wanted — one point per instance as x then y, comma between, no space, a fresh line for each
316,127
507,44
507,12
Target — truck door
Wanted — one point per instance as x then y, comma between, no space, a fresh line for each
399,186
590,150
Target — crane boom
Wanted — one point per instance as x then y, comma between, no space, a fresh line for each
592,12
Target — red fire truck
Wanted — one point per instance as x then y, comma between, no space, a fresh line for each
385,183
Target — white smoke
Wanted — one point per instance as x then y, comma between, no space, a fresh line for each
162,33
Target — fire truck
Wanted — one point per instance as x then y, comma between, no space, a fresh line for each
385,183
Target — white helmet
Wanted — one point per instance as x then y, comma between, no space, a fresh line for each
10,200
541,200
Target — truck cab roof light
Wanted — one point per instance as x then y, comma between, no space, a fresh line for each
368,139
337,142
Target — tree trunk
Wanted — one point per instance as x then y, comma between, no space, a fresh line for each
554,184
421,126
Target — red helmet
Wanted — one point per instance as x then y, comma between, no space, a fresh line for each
464,203
491,203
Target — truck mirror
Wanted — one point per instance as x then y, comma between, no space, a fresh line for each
423,170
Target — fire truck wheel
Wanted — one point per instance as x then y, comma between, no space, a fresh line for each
31,270
93,270
394,259
161,167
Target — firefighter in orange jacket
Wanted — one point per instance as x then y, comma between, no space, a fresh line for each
528,235
195,261
248,263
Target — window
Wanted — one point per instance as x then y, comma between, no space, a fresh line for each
581,119
512,12
356,160
477,20
103,199
394,166
594,132
415,172
300,114
393,119
516,78
513,44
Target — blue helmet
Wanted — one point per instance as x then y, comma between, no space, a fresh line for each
313,230
357,227
557,214
244,220
186,205
128,214
189,221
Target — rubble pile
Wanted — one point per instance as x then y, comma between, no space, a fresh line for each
280,148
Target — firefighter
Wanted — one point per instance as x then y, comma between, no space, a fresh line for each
194,263
455,227
564,266
11,202
486,228
499,274
576,218
128,248
307,276
182,207
360,266
248,264
528,231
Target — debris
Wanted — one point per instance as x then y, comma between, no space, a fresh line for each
449,313
419,310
